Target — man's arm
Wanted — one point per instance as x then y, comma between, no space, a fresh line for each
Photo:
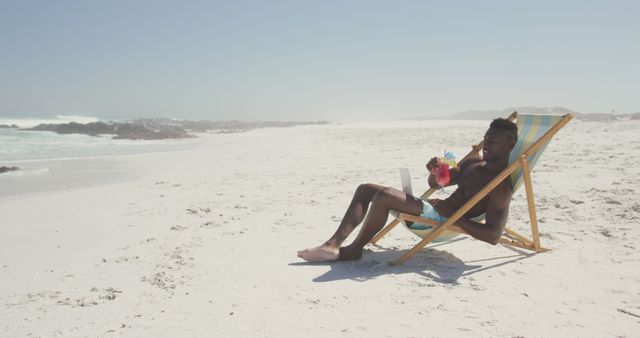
496,216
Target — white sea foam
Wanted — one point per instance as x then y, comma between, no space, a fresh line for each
58,119
19,146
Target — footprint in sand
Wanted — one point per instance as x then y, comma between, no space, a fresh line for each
106,294
161,280
98,296
606,233
612,201
124,259
210,224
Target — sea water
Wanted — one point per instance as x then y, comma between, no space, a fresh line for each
21,146
49,161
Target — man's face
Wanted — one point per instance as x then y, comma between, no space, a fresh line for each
497,145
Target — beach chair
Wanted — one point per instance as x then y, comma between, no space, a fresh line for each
534,133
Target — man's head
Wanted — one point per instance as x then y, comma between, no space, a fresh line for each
499,140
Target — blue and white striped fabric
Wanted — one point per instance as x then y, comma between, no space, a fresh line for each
530,129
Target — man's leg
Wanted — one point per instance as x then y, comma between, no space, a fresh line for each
355,212
353,216
384,199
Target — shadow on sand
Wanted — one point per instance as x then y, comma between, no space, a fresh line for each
436,265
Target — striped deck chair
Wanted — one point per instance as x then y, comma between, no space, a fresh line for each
534,133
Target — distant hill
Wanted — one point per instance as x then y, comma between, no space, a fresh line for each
492,114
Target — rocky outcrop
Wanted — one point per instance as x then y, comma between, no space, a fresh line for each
157,129
133,131
7,169
119,130
93,128
6,126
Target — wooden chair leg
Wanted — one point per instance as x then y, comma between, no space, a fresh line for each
432,235
514,243
530,202
521,238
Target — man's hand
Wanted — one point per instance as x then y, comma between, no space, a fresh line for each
433,164
442,207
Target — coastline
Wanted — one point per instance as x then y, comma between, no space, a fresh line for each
102,162
58,176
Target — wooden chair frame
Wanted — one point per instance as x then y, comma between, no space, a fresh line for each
509,237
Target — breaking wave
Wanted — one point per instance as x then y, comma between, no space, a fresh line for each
58,119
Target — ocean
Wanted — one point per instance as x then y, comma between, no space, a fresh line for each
50,161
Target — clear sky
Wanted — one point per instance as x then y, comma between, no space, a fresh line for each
310,60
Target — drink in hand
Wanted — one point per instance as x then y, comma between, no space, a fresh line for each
441,172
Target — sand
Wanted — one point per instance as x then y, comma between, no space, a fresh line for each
203,243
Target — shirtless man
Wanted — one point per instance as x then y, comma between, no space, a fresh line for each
470,176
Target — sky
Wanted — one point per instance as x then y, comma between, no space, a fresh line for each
315,60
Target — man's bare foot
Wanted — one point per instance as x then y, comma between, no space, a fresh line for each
348,253
321,253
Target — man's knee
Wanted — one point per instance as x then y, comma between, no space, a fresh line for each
366,190
361,189
383,196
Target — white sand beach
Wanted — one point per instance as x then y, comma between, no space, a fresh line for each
202,243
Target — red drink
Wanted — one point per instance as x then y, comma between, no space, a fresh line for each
442,174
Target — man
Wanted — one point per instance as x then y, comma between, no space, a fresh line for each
470,176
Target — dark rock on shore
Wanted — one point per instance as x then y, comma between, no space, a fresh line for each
133,131
7,169
126,130
6,126
157,129
93,128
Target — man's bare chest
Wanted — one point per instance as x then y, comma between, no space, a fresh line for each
474,179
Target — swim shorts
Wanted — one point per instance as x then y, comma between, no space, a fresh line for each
428,211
